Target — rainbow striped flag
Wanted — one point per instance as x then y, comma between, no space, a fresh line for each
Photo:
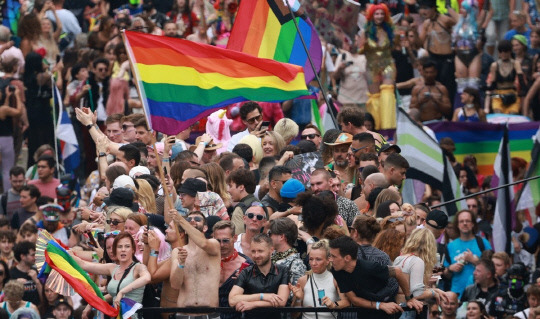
530,196
483,139
181,81
265,28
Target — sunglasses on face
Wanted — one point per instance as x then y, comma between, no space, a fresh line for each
224,240
125,126
251,215
114,222
253,119
198,219
354,150
310,136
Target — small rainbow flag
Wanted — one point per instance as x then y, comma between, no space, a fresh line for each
181,81
58,258
265,29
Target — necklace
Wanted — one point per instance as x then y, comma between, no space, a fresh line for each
514,299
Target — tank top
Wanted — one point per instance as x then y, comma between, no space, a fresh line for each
135,295
27,305
509,78
320,281
462,117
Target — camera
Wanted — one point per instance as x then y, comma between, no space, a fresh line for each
11,88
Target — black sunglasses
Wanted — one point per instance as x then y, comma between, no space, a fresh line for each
125,126
198,219
224,241
253,119
114,222
251,215
310,136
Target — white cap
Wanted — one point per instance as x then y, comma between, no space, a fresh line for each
123,181
138,170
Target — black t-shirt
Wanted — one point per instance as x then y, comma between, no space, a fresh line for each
365,281
30,289
270,202
404,69
254,282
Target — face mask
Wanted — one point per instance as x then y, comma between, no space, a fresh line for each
134,2
516,284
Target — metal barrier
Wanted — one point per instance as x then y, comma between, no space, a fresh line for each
204,310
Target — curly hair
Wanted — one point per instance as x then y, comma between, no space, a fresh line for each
29,27
422,243
317,210
387,25
390,241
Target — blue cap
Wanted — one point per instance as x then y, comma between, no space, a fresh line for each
291,188
176,148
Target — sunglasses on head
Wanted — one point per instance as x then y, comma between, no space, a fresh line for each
253,119
198,219
114,222
112,233
251,215
310,136
224,240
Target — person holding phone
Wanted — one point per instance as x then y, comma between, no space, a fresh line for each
350,73
309,290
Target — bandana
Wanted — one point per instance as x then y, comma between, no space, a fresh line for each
282,255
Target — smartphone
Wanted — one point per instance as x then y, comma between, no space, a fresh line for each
321,295
265,125
165,170
349,63
343,56
58,58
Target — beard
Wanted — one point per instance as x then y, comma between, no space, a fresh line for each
262,262
342,163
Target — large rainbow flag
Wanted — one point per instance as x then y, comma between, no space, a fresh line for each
181,81
58,258
483,139
265,28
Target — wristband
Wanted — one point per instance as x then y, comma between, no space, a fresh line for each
181,266
89,126
262,296
153,251
336,304
377,305
153,255
103,205
310,241
165,159
433,293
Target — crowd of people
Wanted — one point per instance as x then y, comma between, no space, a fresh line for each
215,216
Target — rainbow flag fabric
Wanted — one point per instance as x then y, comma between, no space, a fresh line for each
58,258
181,81
265,28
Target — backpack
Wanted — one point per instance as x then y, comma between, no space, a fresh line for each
3,202
479,242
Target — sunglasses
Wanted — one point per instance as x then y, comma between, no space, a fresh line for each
310,136
393,220
435,313
114,222
253,119
112,233
125,126
198,219
224,241
354,150
251,215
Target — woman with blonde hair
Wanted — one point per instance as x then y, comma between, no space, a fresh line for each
417,259
319,277
216,181
255,144
386,195
287,128
272,143
145,196
49,37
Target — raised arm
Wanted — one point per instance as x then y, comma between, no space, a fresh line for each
210,246
95,268
178,260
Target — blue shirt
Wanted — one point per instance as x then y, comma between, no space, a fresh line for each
462,279
511,33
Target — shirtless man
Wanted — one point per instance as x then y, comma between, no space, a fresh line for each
431,97
436,34
160,271
232,263
196,277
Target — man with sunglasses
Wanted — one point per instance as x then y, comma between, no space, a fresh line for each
128,126
197,278
232,263
254,220
312,133
251,115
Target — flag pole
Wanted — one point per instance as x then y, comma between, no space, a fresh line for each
55,125
328,100
485,191
168,198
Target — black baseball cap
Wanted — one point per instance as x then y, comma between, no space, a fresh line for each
437,219
122,197
387,146
191,186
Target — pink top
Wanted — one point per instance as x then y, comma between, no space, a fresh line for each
46,189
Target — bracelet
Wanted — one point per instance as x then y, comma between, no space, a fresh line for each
433,293
153,255
377,305
89,126
153,251
336,304
310,241
165,159
181,266
262,296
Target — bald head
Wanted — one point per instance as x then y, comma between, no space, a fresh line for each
372,181
121,164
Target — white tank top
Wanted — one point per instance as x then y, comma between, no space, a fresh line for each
320,281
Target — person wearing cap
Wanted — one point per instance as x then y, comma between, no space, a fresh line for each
62,309
436,34
139,170
387,149
188,192
46,183
51,223
205,148
288,193
436,221
340,149
121,196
